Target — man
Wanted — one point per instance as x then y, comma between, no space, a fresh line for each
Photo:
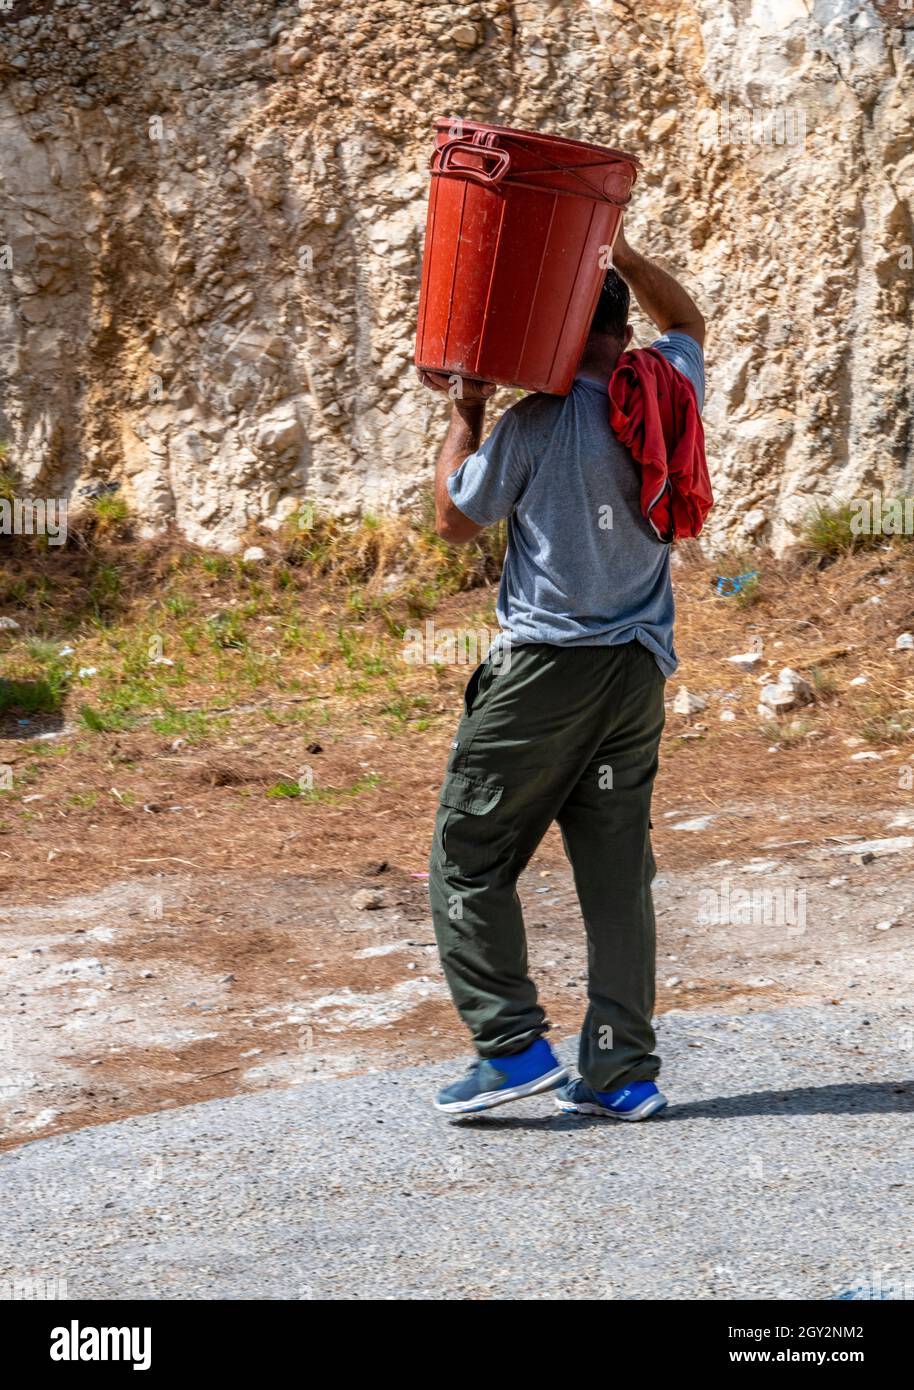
562,721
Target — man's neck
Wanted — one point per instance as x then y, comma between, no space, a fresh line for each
599,360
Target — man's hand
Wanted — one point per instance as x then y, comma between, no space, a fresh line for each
459,388
621,251
661,297
463,437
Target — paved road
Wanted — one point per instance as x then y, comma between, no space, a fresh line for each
784,1169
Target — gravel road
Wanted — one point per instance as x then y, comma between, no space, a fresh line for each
784,1168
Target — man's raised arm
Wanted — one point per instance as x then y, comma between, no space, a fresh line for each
661,297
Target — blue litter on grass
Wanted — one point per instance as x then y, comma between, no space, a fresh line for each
728,586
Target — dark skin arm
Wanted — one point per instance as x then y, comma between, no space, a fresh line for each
661,297
463,438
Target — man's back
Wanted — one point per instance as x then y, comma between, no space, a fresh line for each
583,566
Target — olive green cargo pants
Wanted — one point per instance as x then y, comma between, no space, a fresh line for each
567,734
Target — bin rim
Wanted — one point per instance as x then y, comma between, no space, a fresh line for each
564,140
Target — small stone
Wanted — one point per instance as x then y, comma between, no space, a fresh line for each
465,35
686,703
790,690
253,554
905,642
368,899
865,758
8,625
746,661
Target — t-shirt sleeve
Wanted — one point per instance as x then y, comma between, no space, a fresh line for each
687,357
487,485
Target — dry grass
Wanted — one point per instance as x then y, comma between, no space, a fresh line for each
247,666
833,624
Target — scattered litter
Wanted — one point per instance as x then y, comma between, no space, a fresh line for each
726,585
865,758
746,661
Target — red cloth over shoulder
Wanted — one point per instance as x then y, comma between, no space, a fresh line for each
654,412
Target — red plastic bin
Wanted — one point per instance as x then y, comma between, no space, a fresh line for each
516,245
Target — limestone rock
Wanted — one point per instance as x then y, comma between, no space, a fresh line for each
787,693
262,174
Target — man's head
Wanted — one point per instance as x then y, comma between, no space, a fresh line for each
610,330
611,314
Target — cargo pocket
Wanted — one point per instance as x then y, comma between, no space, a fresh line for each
470,794
465,834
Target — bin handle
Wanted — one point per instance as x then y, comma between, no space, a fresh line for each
488,177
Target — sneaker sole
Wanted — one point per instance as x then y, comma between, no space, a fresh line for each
652,1106
490,1099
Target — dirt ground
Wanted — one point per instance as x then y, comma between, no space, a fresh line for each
215,947
172,932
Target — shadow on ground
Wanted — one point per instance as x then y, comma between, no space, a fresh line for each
870,1098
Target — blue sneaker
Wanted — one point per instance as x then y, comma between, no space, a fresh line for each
495,1081
637,1101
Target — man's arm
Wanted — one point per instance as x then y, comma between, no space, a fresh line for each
661,297
463,438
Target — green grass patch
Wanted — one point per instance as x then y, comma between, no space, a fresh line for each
331,796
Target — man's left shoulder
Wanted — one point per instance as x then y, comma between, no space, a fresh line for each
685,354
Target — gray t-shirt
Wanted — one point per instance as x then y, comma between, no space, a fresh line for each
583,567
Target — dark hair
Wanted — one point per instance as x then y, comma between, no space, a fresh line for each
611,314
